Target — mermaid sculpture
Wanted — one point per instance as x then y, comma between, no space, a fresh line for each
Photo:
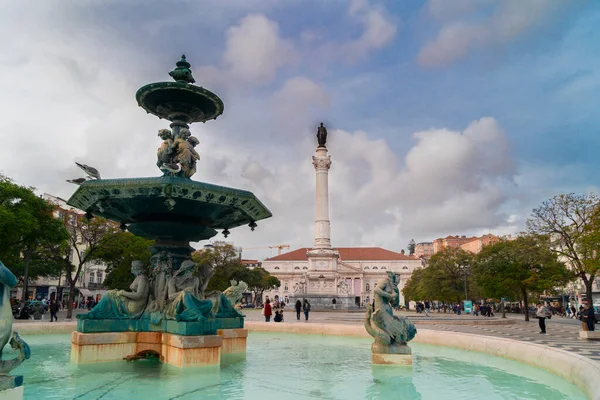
120,304
391,332
7,281
224,302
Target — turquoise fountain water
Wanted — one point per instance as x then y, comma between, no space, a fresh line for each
285,366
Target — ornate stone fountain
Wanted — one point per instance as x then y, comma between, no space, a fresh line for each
167,310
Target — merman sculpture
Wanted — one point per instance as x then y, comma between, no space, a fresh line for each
120,304
183,296
391,332
7,281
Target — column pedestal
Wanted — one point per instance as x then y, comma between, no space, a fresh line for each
234,340
391,355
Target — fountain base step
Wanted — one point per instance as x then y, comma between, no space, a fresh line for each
234,340
178,350
15,393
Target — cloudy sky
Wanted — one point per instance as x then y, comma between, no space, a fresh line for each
445,117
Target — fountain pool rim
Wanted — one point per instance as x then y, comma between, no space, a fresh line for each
579,370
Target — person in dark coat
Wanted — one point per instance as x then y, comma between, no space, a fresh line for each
588,318
53,310
298,309
306,309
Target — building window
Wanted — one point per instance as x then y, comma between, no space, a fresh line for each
276,268
99,276
366,267
383,267
404,267
92,277
304,267
375,268
296,267
286,287
368,287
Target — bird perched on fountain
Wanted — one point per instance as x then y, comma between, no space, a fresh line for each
77,181
90,171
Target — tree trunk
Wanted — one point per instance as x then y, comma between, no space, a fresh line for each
588,290
526,305
71,299
26,278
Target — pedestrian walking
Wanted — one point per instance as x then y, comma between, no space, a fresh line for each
298,309
267,310
53,310
427,306
541,314
334,302
306,309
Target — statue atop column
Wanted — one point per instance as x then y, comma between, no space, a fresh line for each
322,135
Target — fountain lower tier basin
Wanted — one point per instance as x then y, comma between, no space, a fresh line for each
169,208
291,366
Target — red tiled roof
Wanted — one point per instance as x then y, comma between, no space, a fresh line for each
347,254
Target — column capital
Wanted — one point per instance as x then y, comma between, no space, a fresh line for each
322,162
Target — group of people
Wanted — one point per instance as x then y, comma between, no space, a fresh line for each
269,310
486,310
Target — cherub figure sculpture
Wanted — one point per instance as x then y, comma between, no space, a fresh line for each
164,153
186,156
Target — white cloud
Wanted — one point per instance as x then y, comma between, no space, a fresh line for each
379,29
478,23
255,51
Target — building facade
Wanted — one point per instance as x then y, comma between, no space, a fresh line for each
424,249
355,274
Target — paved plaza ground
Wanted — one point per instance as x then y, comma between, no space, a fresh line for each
562,333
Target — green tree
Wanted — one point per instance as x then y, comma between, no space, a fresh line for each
411,247
84,238
413,289
118,250
448,276
217,265
570,221
27,226
259,280
521,268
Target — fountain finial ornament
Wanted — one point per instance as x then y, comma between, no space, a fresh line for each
182,71
7,281
391,332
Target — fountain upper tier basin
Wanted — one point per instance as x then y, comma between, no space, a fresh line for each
167,207
179,101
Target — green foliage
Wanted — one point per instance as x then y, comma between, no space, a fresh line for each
27,227
411,247
217,265
519,268
444,277
570,221
118,250
220,264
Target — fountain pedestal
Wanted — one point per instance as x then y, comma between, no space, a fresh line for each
391,355
234,340
178,350
15,393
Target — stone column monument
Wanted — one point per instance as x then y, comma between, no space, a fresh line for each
322,163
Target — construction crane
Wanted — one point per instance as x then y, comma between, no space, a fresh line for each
275,246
